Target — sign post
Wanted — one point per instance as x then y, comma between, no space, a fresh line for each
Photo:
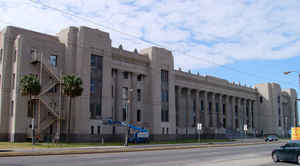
199,128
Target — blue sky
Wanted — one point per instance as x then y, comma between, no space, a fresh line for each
247,41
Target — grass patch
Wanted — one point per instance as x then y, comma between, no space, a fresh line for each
191,141
28,145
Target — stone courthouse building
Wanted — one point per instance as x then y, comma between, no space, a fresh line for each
168,102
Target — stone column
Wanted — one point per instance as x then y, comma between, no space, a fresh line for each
206,114
198,109
188,108
133,100
238,116
233,103
254,117
221,111
228,113
181,108
250,114
214,117
244,113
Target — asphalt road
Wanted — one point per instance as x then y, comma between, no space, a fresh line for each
256,155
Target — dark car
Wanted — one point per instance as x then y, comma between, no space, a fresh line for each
288,152
271,138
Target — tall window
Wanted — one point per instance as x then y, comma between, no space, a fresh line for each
124,114
98,110
138,116
202,105
92,86
236,123
279,122
209,107
53,60
98,130
96,81
210,114
93,60
125,75
236,111
194,113
164,96
224,109
247,110
92,111
92,130
138,95
164,115
140,77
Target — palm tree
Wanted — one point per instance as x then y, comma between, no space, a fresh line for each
30,86
72,88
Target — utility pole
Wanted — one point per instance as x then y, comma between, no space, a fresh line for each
286,73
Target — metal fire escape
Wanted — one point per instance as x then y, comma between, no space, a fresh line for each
54,114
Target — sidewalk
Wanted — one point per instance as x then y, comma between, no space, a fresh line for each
118,149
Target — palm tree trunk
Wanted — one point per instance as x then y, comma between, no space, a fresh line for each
69,118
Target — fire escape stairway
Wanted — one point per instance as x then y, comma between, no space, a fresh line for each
53,71
37,58
47,122
47,87
46,100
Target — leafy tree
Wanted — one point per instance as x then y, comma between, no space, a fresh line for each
30,86
72,88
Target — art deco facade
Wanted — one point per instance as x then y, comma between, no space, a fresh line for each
166,101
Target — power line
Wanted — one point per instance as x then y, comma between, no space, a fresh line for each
148,41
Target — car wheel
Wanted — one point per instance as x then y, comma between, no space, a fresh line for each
298,159
276,159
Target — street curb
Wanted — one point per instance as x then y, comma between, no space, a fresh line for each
120,150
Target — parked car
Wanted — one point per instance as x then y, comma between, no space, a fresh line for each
288,152
271,138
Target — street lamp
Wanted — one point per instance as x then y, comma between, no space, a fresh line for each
286,73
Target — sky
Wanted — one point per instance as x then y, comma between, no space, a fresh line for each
245,41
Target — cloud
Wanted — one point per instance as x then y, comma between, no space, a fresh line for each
201,34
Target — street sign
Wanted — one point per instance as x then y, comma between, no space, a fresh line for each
199,126
245,127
